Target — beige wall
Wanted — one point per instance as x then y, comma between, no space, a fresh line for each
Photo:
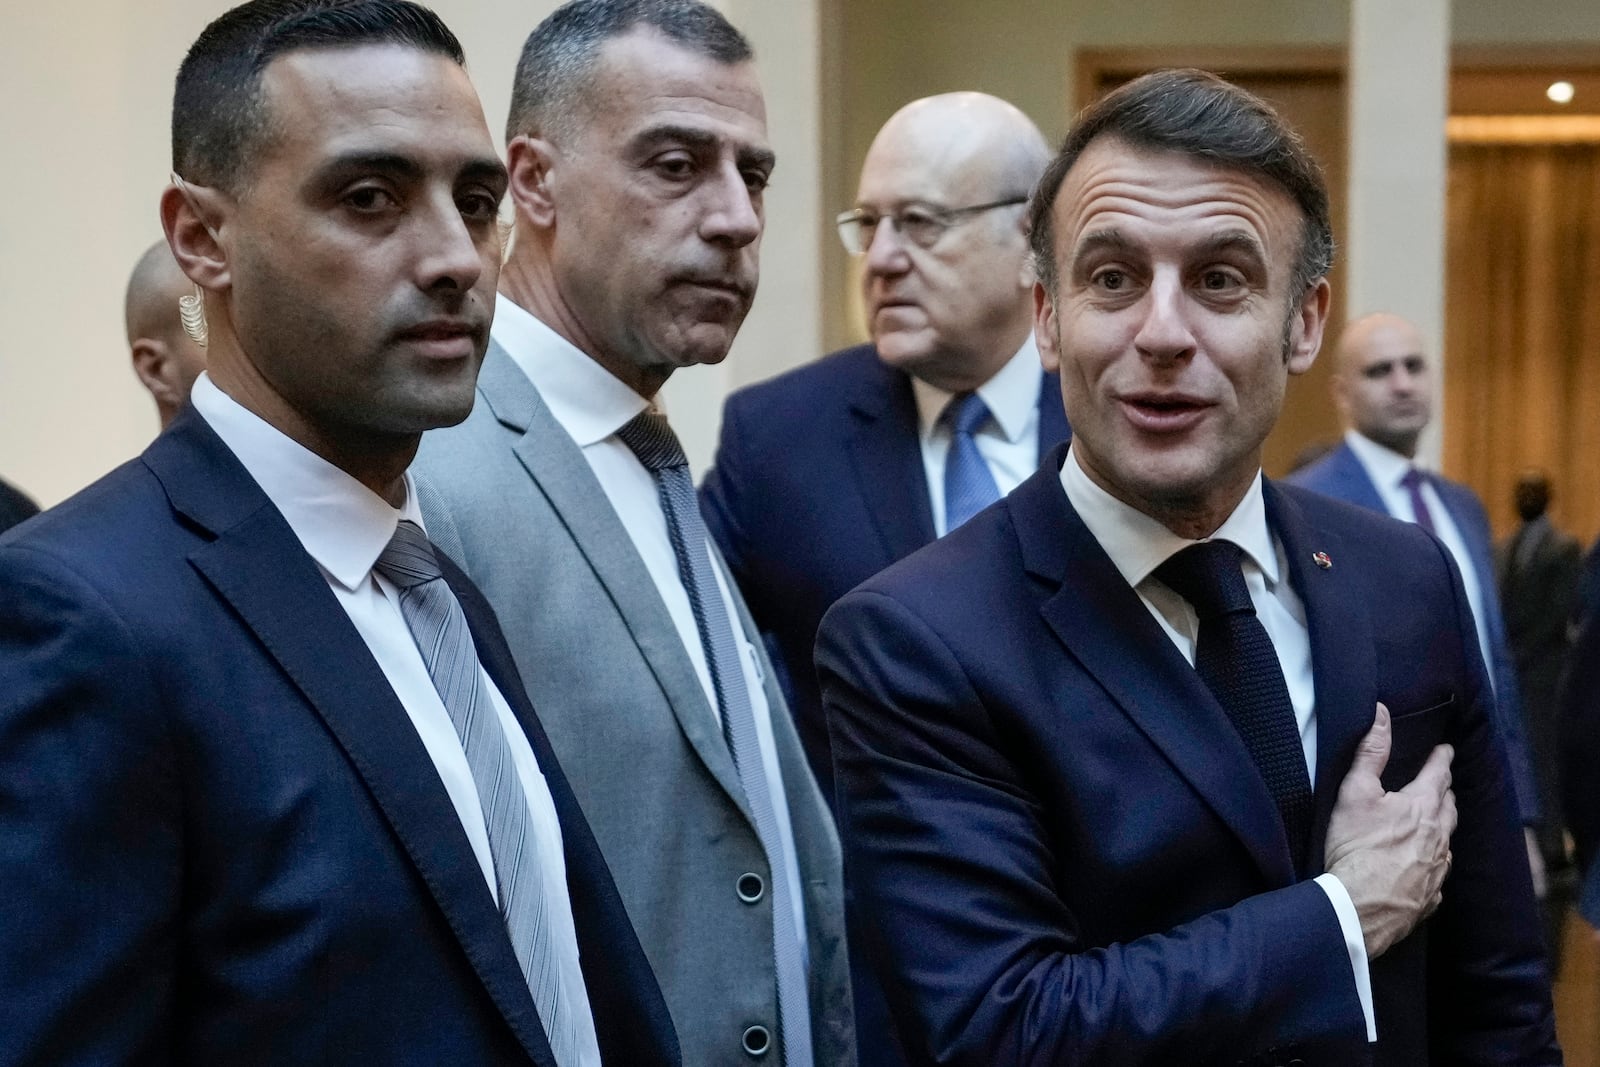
85,96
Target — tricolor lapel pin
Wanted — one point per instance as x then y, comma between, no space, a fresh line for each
1321,559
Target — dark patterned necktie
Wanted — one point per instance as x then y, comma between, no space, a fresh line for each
1235,658
657,447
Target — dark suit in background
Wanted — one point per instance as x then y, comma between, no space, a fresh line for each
1538,570
818,485
222,840
1578,718
1064,845
1341,476
14,506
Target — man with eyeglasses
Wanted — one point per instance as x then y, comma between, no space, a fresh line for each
828,474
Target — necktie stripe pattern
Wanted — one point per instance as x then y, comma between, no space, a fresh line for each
652,440
440,631
969,485
1235,658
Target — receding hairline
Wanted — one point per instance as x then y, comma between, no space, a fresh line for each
991,132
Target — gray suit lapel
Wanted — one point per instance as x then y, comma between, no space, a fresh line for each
560,472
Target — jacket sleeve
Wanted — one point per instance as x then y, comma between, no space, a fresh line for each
90,842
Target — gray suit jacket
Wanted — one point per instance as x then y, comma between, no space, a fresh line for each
509,495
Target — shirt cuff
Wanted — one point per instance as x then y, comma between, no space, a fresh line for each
1354,943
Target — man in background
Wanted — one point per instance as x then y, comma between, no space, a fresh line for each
829,473
1118,774
166,359
638,154
1538,569
270,789
1383,384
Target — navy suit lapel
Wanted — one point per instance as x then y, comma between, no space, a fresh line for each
257,566
1358,483
1343,664
884,448
1107,628
1053,428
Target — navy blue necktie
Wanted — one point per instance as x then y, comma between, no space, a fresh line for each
969,485
1235,658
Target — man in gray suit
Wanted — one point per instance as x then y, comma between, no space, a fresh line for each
638,155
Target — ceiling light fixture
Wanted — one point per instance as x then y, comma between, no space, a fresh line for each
1560,92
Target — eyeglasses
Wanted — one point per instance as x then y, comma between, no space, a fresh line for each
921,226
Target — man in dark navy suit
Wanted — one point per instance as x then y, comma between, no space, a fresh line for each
1383,385
828,474
270,788
1155,761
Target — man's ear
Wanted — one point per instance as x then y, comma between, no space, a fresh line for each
1046,333
531,161
194,218
156,368
1311,317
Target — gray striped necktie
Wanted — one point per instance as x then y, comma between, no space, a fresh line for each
440,631
653,441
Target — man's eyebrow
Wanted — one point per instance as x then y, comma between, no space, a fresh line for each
703,141
1234,241
1107,240
405,168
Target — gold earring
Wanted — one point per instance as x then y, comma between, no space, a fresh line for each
192,314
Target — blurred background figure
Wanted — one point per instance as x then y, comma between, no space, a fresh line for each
1537,569
1383,384
165,358
15,506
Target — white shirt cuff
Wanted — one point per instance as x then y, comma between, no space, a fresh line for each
1354,943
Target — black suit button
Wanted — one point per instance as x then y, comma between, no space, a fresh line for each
757,1040
751,888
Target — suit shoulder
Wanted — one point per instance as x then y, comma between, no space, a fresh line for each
959,570
821,380
1321,475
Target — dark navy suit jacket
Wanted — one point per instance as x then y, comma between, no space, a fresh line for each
221,839
1340,475
1578,720
819,485
1062,847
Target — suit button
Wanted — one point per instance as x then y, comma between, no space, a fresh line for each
751,889
757,1040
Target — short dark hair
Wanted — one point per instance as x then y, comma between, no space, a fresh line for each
1200,115
560,54
219,119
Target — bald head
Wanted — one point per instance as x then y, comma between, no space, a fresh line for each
952,303
165,359
1383,381
966,142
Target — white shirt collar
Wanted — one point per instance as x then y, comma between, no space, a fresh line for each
1011,395
1138,544
587,400
1384,466
341,523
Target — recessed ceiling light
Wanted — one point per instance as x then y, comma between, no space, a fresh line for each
1560,92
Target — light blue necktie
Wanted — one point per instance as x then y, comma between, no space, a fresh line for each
969,485
657,447
440,631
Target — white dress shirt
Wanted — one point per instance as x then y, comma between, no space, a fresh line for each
591,404
1008,443
344,527
1138,544
1386,469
